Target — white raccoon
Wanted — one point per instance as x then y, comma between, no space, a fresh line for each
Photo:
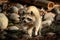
37,24
3,21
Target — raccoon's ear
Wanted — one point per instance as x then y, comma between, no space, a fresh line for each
31,13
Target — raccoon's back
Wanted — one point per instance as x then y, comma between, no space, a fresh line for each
34,10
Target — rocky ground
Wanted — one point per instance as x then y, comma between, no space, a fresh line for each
48,34
51,33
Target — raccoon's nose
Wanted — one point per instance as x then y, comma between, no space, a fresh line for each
24,21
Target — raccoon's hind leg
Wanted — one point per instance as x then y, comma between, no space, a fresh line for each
38,27
38,31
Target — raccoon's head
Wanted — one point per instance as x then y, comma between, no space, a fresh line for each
28,18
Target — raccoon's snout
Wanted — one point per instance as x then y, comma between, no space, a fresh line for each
27,20
24,21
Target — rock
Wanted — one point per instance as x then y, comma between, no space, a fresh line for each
14,9
20,6
13,28
14,17
3,21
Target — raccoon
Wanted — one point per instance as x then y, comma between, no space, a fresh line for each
31,19
3,21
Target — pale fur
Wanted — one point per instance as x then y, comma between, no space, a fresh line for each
49,18
3,21
38,24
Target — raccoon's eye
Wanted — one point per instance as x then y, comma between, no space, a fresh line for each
29,19
23,18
